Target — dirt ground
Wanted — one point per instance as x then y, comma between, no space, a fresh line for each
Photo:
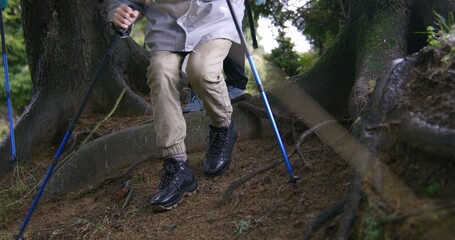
264,207
230,206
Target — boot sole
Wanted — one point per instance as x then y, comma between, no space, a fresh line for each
186,192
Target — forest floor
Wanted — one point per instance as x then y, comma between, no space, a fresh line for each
264,207
230,206
251,200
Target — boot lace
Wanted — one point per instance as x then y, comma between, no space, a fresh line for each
167,174
216,141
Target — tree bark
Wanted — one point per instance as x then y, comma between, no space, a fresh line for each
65,43
374,35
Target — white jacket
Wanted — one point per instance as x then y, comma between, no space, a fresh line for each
180,25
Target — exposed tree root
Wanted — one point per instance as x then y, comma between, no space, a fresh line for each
419,212
305,135
106,155
393,191
110,179
243,179
262,113
323,217
351,207
428,138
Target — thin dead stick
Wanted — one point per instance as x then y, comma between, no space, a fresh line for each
117,102
129,185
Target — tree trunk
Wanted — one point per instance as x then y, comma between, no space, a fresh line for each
376,33
65,42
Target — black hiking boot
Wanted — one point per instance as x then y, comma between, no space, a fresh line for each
221,142
177,180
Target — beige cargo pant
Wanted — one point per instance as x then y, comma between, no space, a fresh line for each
204,73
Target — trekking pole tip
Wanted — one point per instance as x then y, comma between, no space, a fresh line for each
293,179
13,159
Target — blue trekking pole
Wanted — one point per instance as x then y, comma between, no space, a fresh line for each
292,177
110,50
8,94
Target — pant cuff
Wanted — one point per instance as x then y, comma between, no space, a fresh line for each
173,150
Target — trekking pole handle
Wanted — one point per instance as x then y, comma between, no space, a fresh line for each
126,33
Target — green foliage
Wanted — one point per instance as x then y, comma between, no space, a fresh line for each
432,188
291,62
138,31
21,88
243,225
14,195
445,25
284,56
320,21
442,26
372,228
307,60
246,224
18,72
4,130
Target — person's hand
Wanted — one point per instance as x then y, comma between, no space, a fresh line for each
259,2
124,16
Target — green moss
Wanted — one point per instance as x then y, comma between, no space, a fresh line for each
371,85
378,41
